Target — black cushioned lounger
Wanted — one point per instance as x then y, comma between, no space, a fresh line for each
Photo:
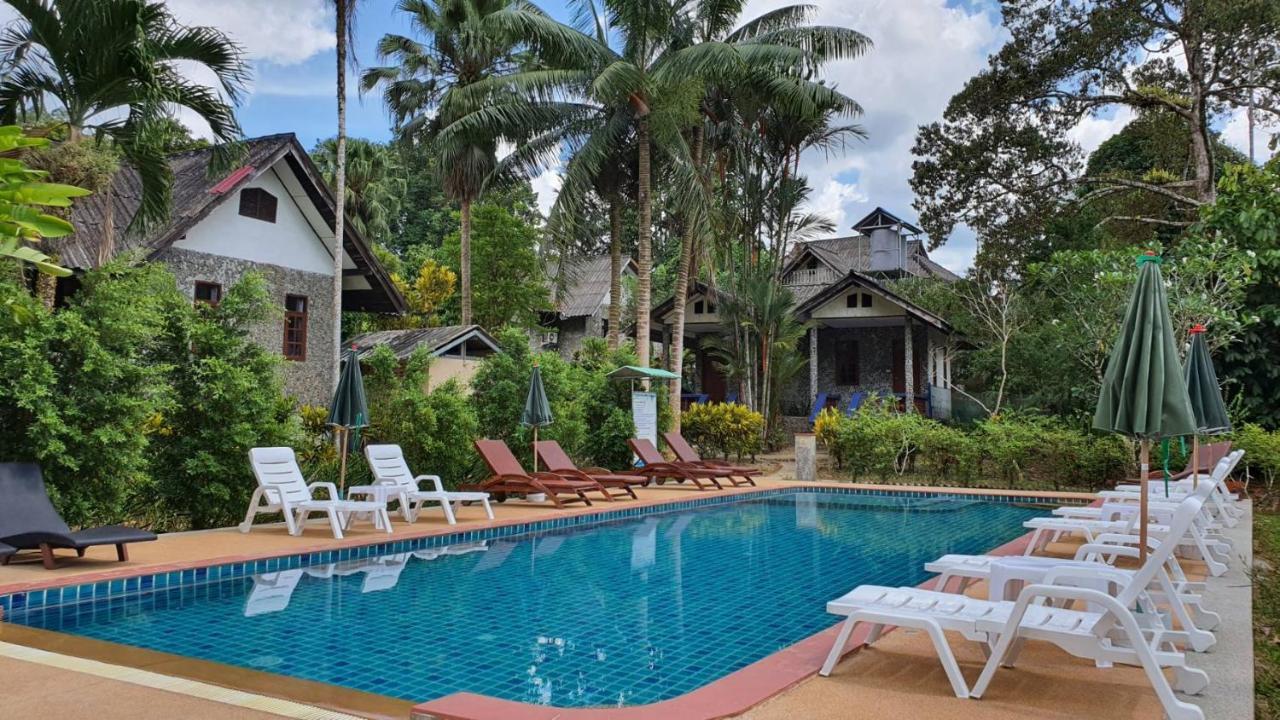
6,551
29,522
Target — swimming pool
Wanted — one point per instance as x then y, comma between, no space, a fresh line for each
623,612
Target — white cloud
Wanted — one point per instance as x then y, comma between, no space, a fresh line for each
285,32
1235,132
547,186
1091,131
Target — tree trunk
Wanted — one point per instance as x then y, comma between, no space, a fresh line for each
615,271
644,250
340,185
683,272
464,261
1201,140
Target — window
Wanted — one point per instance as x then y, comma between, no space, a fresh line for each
295,327
866,299
209,293
851,300
698,308
847,362
711,309
258,204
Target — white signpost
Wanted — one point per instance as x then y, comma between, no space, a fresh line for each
644,412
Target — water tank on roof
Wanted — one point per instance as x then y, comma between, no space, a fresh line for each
888,250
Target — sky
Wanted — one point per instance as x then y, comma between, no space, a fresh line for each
924,52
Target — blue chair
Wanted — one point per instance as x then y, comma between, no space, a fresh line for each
819,402
855,401
731,397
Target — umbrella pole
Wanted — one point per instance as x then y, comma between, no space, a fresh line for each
1195,461
342,465
535,448
1142,509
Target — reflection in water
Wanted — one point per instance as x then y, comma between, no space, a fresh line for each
623,613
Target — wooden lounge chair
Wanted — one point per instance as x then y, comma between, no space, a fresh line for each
1210,455
28,520
559,462
686,454
511,479
657,469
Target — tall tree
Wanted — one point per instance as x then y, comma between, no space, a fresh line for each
114,68
1002,159
344,35
459,48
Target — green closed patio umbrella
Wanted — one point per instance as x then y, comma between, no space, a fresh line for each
1143,394
1206,396
348,413
537,411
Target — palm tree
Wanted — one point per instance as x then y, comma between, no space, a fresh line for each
344,34
112,67
375,183
460,48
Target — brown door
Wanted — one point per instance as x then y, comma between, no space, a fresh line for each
713,382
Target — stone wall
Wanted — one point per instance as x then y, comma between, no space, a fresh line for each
310,380
875,359
573,331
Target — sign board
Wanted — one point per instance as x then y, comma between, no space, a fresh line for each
644,412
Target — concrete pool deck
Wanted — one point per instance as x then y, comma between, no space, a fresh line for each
907,682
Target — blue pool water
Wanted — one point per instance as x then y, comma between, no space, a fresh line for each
619,613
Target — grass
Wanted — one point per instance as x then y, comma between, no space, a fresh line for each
1266,615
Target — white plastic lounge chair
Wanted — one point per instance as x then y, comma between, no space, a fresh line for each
1214,504
393,481
1169,586
281,488
1111,635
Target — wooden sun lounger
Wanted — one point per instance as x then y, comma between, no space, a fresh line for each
657,469
559,462
511,479
1209,456
686,454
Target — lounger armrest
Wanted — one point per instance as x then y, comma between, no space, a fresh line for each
435,481
552,476
1084,552
666,468
1040,592
333,489
1061,573
572,474
594,470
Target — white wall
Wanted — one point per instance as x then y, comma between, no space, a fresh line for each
291,241
837,307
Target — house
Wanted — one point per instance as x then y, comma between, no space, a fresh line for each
271,214
863,337
581,287
457,349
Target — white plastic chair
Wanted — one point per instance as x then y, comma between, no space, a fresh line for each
282,489
1111,635
393,481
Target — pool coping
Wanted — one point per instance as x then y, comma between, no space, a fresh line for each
729,695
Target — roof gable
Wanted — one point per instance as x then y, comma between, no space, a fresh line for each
581,285
857,279
436,340
102,220
881,218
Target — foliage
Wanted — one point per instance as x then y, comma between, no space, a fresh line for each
120,68
1261,456
504,253
78,386
1247,215
431,287
225,397
592,414
434,428
1266,614
375,183
22,195
1018,452
724,428
1003,159
87,165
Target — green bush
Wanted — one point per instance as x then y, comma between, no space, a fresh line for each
78,387
225,398
434,428
1261,459
723,428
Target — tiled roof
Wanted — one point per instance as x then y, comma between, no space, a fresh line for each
580,284
405,342
854,253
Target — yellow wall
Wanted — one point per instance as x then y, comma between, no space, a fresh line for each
446,368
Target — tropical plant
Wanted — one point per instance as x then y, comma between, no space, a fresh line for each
504,253
117,69
375,184
344,37
724,428
459,48
22,194
427,293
